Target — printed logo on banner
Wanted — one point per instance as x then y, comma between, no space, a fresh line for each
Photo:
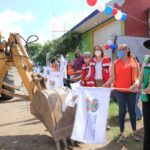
91,119
91,105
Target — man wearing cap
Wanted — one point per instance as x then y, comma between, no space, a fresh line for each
144,83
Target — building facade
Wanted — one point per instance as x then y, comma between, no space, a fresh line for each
97,28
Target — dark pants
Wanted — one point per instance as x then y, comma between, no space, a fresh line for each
126,100
146,117
137,109
67,82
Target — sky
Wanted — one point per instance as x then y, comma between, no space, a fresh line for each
49,19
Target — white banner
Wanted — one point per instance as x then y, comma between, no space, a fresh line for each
54,79
75,85
70,100
47,71
63,66
91,115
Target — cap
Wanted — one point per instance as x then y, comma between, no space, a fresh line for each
86,54
147,44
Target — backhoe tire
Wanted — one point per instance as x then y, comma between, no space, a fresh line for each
9,80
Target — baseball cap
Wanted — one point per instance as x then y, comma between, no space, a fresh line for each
147,44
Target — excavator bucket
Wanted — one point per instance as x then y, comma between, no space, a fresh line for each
47,107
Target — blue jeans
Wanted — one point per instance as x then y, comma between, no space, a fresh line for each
137,109
126,100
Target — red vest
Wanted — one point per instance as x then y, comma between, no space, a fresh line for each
106,62
106,68
89,72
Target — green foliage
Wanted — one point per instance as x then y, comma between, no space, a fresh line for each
38,52
63,45
113,109
34,48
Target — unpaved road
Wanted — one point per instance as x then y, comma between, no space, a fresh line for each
19,130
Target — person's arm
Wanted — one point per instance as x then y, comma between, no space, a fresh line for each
141,77
147,90
112,76
78,72
92,72
138,82
80,77
76,79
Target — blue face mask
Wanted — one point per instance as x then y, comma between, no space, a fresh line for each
120,53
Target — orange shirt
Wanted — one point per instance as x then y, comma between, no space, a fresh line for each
123,74
70,70
54,66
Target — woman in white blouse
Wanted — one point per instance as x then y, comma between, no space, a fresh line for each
102,66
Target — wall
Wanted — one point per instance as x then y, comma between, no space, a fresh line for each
137,21
106,32
86,43
101,34
135,44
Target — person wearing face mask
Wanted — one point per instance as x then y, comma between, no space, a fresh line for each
102,66
88,71
124,72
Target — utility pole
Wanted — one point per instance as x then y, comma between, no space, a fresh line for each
60,31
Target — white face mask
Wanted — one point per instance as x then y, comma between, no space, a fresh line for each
98,53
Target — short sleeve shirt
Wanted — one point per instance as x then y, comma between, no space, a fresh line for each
146,59
78,62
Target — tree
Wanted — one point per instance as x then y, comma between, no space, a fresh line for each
63,45
41,55
34,48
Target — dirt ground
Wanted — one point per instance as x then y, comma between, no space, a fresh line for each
19,130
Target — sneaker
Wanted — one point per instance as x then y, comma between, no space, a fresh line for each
136,137
121,137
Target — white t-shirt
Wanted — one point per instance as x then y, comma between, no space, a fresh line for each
98,70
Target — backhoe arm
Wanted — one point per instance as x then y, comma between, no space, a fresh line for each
19,58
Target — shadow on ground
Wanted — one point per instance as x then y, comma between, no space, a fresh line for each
128,144
22,123
27,142
11,100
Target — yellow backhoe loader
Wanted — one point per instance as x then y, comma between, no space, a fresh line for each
46,105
